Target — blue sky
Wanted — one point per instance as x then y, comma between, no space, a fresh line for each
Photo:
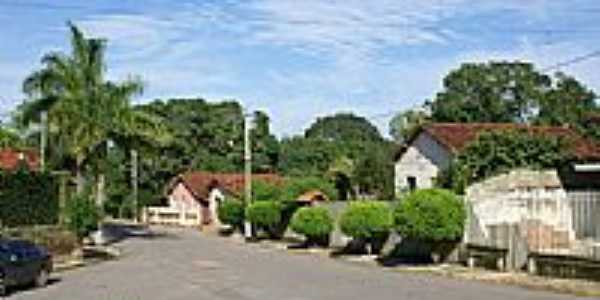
298,60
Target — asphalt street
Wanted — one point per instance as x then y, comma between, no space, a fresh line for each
187,265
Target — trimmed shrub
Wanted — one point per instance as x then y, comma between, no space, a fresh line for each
27,198
265,215
231,212
430,215
367,221
81,215
295,187
265,191
315,223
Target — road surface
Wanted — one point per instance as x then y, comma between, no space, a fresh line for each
186,265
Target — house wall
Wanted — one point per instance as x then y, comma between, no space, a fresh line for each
535,201
181,198
423,160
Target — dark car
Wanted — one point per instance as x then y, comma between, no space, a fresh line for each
23,263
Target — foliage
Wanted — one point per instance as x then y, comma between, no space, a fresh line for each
500,151
81,215
406,124
306,157
296,186
266,215
204,136
56,239
333,146
27,198
510,92
313,222
231,212
374,171
265,191
567,103
343,127
431,215
9,139
489,92
366,220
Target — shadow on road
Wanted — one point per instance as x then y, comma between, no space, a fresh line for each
24,288
114,232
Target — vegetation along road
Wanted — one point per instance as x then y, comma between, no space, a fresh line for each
187,265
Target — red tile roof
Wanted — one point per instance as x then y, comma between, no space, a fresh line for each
201,183
10,159
456,136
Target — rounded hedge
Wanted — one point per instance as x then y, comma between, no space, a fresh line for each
430,215
312,222
231,212
264,214
366,220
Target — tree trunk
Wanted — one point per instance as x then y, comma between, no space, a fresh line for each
79,174
100,190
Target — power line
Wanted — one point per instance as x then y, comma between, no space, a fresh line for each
572,61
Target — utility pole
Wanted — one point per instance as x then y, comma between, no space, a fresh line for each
43,139
134,182
247,170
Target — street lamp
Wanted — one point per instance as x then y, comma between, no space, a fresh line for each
248,126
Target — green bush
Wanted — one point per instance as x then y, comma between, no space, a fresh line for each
315,223
295,187
265,215
28,198
367,221
265,191
231,212
430,215
81,215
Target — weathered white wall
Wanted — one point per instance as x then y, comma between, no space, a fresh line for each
423,159
520,197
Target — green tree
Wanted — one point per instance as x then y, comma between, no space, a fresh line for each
495,152
84,110
367,221
430,215
406,124
315,223
343,127
567,103
490,92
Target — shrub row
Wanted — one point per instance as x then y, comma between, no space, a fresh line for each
28,198
430,215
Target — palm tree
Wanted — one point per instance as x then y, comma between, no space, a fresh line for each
84,110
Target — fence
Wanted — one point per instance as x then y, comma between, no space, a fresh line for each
172,216
551,228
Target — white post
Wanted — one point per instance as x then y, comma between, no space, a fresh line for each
247,173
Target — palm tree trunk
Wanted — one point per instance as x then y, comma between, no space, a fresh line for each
79,174
100,190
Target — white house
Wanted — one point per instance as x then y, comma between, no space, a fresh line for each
433,148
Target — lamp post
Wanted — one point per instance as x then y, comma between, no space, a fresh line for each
248,126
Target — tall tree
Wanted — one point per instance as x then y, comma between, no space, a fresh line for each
85,111
343,127
406,124
490,92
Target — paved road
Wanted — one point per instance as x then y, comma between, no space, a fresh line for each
187,265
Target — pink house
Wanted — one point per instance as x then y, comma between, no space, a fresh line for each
193,197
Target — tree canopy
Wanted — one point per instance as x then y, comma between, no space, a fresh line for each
511,92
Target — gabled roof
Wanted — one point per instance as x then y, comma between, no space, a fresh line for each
457,136
201,183
10,159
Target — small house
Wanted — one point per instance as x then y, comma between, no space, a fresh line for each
193,197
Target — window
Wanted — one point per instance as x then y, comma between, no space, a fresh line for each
411,182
